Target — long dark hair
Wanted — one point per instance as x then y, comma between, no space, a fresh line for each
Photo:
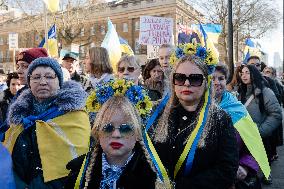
257,82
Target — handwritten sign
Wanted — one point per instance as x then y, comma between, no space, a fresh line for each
155,30
152,52
13,41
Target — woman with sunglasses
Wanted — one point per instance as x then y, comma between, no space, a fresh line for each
128,68
261,104
119,158
194,138
97,65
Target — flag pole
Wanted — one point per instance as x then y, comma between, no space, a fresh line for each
45,27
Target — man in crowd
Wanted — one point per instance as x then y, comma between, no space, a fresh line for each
3,85
70,63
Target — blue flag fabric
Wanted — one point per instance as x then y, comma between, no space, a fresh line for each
51,35
6,173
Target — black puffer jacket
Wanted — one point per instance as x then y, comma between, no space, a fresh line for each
215,162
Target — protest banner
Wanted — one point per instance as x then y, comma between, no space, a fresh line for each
155,30
152,51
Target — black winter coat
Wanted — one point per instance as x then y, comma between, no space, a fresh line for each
137,174
5,99
215,163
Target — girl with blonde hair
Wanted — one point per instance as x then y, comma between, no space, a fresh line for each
119,159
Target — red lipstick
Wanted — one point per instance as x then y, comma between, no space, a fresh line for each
186,92
116,145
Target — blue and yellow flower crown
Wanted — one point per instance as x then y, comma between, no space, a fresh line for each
198,50
137,95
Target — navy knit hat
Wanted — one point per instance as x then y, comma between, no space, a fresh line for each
48,62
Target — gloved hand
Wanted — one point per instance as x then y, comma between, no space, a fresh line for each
242,173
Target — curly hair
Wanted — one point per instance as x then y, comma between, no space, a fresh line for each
11,76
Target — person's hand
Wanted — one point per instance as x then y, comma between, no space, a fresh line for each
242,173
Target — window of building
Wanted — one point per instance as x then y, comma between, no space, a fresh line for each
1,56
92,44
125,27
82,49
103,30
82,32
8,54
93,30
137,46
1,41
137,25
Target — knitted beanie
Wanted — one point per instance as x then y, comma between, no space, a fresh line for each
46,62
31,54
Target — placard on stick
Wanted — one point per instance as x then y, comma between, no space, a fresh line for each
155,30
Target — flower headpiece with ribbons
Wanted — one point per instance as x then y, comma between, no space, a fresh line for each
206,55
136,94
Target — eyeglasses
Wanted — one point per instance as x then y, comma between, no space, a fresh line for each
124,129
38,78
195,80
122,69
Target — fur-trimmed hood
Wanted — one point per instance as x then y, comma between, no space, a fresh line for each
70,97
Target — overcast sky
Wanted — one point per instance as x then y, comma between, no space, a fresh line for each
273,41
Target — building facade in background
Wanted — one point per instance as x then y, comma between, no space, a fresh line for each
124,15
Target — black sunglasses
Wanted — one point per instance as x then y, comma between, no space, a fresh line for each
195,80
125,130
122,69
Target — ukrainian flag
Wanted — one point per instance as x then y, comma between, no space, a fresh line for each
250,50
125,48
52,5
52,42
112,44
247,129
205,38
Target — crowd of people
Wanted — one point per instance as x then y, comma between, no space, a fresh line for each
175,122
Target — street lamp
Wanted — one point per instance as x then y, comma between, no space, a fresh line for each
230,41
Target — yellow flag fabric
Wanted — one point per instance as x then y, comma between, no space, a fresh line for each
252,139
52,5
52,47
247,129
112,44
59,141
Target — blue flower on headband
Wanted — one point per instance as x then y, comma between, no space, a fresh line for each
135,94
104,93
201,52
179,53
211,69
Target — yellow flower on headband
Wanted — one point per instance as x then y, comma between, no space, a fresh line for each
90,102
211,59
120,87
173,59
189,49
